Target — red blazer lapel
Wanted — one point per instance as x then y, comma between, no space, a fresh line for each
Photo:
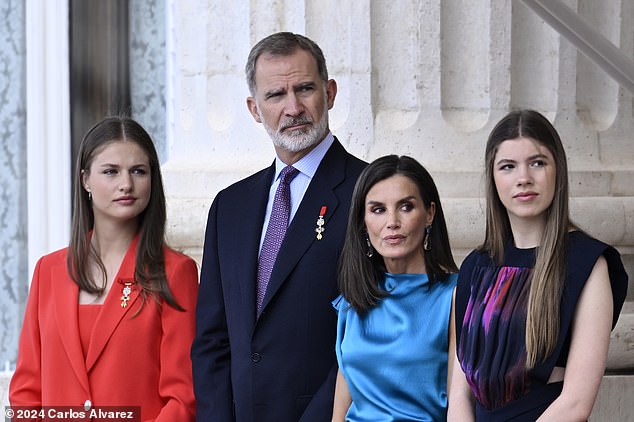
112,312
66,303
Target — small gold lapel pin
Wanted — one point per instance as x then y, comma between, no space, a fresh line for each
126,290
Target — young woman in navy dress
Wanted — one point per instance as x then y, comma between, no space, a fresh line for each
536,302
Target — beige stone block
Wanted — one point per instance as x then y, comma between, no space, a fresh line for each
186,222
614,402
623,183
459,184
182,182
621,352
465,221
589,183
607,218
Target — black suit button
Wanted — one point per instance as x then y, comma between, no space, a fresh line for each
256,357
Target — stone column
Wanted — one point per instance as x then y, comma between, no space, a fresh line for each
147,68
13,204
424,78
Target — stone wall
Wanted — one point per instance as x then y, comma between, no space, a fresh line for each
424,78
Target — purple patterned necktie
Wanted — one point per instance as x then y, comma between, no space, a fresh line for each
278,222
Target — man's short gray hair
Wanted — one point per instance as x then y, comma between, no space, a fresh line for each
284,44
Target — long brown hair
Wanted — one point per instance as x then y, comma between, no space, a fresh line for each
149,272
359,275
547,280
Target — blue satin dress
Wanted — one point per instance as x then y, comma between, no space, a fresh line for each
394,359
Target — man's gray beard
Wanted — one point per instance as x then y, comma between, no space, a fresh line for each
299,140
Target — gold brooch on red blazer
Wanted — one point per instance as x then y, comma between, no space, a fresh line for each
126,290
320,223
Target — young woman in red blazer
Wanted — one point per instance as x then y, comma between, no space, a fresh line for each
110,319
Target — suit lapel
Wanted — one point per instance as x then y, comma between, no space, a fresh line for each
66,302
112,313
301,232
246,234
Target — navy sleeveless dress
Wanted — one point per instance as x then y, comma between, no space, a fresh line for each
491,303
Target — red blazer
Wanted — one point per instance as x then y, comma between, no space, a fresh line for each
133,360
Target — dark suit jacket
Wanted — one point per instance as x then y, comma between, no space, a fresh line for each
131,360
281,366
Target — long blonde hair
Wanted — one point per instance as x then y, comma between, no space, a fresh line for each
547,279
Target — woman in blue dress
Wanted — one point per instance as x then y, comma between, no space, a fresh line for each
536,302
397,277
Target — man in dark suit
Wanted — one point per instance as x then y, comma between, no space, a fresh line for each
264,346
